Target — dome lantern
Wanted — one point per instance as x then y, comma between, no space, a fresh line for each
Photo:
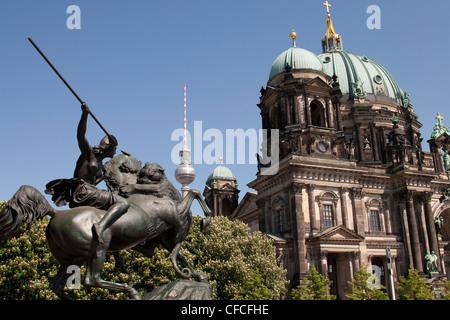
331,40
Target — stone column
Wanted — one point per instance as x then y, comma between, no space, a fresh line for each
301,103
401,207
358,208
376,156
413,231
336,106
387,212
331,117
431,228
312,207
324,263
261,203
220,213
308,111
300,228
283,113
343,192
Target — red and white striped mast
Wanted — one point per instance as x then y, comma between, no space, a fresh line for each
185,139
185,172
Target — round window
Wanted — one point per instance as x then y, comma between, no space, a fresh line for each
378,79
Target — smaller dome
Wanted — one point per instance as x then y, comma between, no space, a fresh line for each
296,58
221,173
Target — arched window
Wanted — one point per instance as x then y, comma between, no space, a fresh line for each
226,207
327,205
328,215
443,226
375,210
274,121
375,220
317,116
277,206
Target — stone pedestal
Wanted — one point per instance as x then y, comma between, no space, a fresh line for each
181,290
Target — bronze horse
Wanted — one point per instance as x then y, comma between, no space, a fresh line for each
157,215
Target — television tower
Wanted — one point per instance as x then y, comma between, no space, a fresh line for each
185,172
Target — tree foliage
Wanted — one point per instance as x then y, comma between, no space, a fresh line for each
238,264
413,287
253,288
314,287
360,287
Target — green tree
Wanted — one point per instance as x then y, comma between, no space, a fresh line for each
413,287
313,287
226,253
253,288
446,292
234,261
360,288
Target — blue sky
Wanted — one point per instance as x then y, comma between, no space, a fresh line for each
130,59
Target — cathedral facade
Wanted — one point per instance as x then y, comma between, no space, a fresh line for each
353,180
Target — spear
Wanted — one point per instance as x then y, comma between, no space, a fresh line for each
69,87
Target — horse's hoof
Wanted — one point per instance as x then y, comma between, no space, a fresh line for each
134,295
205,223
201,278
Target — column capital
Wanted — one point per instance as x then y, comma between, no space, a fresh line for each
427,195
356,193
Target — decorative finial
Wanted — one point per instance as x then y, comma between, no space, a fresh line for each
293,36
331,40
220,160
439,118
326,4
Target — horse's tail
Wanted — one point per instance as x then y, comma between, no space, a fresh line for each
27,204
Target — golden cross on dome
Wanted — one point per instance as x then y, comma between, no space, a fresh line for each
326,4
439,118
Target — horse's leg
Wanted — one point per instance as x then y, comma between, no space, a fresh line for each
195,274
118,263
94,265
147,249
206,210
188,271
185,273
59,282
185,204
201,201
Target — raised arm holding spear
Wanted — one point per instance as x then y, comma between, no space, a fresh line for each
67,85
81,190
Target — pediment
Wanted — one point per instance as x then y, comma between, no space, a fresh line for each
337,234
442,137
227,187
317,82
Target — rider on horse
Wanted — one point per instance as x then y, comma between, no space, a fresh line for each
82,190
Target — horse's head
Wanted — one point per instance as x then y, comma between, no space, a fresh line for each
121,170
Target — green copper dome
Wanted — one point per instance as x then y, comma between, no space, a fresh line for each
221,173
296,58
356,72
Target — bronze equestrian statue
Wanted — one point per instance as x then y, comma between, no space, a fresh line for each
141,210
82,190
152,218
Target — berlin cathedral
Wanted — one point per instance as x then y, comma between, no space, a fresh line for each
353,182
